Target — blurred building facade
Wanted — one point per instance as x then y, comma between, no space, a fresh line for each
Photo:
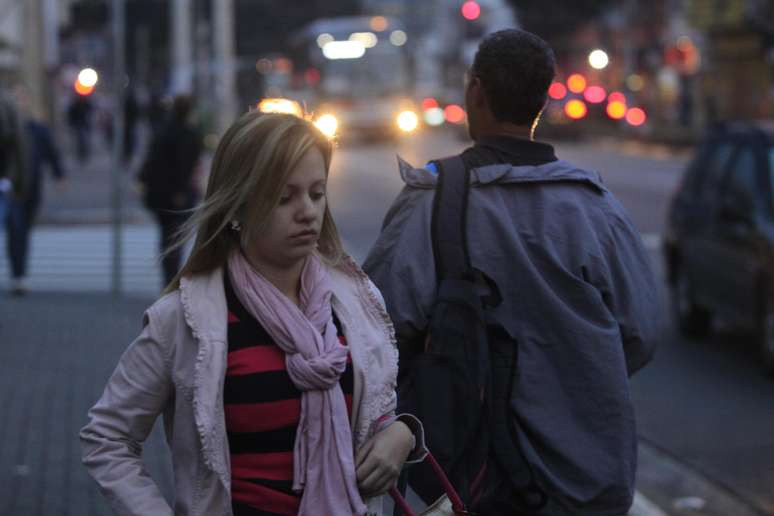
685,63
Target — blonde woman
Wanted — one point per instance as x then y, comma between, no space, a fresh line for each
270,355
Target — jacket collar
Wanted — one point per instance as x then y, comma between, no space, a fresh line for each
555,171
203,299
203,296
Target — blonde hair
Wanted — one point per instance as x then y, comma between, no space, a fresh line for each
249,171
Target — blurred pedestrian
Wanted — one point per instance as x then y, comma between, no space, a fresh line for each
573,304
39,151
13,179
157,112
131,114
167,178
79,118
270,355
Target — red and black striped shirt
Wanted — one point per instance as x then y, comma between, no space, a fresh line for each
262,408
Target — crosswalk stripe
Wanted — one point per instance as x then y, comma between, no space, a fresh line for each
80,259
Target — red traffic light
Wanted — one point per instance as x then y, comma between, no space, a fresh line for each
471,10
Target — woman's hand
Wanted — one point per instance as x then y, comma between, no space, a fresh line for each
379,461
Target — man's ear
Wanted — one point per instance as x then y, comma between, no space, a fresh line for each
477,92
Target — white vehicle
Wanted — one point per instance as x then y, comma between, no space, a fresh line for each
360,74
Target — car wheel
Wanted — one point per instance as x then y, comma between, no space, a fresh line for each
692,320
766,337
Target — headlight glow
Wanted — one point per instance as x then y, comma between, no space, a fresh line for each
407,121
280,105
327,124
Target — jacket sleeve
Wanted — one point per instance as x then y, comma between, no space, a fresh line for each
119,423
401,263
419,451
632,294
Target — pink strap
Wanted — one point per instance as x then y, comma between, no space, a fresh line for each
457,506
401,502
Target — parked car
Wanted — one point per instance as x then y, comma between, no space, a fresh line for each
719,240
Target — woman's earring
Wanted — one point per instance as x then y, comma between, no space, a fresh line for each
235,225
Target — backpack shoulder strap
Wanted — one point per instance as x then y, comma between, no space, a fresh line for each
448,228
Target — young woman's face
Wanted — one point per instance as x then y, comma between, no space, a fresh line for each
293,228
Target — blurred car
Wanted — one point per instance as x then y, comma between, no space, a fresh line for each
327,123
719,240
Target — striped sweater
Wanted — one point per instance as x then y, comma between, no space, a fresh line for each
262,409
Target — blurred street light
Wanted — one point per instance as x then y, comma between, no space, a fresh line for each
281,105
328,125
88,77
323,39
470,10
407,121
379,24
617,96
595,94
454,114
616,109
82,89
576,83
635,82
344,50
434,116
398,38
368,39
575,109
636,117
429,103
557,91
598,59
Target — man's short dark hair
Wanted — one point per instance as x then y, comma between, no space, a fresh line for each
515,68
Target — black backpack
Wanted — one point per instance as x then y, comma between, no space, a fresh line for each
459,382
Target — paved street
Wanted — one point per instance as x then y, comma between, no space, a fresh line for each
56,352
700,404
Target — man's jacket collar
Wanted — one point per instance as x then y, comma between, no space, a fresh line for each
555,171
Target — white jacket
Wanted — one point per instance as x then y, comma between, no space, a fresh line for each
177,367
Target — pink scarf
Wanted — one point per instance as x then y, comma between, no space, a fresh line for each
323,462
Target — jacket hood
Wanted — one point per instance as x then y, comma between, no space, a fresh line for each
555,171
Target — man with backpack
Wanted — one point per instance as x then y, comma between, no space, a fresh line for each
522,299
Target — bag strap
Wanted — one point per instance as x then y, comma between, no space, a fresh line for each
452,261
457,505
448,227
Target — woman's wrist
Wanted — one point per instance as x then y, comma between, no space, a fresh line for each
407,436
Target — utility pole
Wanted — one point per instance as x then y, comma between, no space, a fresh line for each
225,69
118,20
182,46
33,60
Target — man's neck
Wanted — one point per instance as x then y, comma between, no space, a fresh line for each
507,130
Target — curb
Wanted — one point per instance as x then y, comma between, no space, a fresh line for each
666,486
644,507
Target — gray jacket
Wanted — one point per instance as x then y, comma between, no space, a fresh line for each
579,298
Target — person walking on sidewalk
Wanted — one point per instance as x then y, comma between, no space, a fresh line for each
79,115
271,354
167,179
39,151
13,179
578,301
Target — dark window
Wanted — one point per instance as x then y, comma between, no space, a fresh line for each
743,177
741,187
711,173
